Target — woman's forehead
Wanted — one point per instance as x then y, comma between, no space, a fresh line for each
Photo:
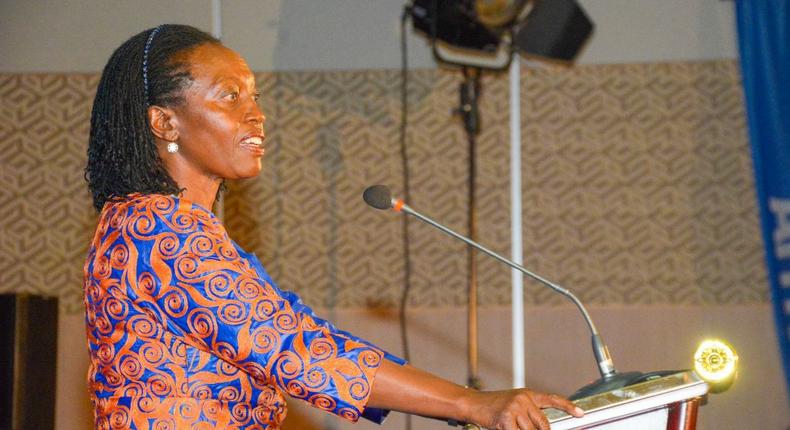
213,61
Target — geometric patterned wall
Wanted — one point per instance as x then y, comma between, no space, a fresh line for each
45,207
638,186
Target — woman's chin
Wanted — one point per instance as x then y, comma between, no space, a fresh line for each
250,171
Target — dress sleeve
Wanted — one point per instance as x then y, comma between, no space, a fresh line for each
376,415
187,271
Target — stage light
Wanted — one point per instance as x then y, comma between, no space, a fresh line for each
498,13
485,33
455,23
716,362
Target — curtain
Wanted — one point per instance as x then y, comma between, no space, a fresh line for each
764,45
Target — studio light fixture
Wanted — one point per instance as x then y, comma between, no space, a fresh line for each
485,33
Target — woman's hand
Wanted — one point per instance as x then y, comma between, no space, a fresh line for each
408,389
514,409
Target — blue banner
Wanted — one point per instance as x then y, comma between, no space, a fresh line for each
764,42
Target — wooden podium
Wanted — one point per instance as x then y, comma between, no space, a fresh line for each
670,402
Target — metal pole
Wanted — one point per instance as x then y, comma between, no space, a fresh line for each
216,18
516,245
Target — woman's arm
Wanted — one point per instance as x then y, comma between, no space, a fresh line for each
408,389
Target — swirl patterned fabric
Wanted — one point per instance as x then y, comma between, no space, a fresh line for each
186,330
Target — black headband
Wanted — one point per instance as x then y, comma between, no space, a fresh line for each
145,60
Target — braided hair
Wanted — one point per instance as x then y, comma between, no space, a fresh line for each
146,70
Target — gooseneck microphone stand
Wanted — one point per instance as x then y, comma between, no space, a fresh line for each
379,197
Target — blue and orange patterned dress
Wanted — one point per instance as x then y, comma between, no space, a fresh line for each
188,331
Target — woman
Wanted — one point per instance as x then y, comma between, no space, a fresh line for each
186,329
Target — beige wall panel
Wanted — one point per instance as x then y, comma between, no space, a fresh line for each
559,359
79,35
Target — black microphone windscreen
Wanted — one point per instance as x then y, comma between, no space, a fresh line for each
378,196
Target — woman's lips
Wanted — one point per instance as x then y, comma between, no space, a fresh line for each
254,144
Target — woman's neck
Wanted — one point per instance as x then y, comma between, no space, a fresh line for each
202,195
198,186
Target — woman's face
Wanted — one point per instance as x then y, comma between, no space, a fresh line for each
220,125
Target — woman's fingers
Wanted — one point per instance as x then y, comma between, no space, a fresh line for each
525,423
535,413
519,409
522,408
532,407
558,402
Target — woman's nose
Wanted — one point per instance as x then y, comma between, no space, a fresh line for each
256,114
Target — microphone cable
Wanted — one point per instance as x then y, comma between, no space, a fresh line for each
404,155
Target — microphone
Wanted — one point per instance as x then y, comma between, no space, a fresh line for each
379,197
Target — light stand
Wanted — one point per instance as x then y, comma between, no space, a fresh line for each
468,109
486,34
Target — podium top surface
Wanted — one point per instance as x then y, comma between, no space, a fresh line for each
631,400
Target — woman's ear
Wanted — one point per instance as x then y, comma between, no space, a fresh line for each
162,123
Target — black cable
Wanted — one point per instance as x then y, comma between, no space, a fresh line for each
404,100
404,120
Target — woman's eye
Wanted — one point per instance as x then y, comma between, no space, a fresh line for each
256,96
231,95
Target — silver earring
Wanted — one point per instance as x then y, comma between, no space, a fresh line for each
172,147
